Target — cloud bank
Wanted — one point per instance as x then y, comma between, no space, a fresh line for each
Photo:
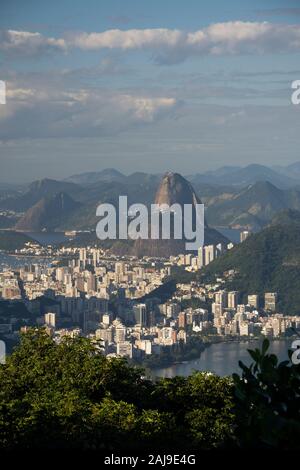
41,112
28,44
167,45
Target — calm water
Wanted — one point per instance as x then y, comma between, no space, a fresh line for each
17,262
232,234
223,358
55,238
48,238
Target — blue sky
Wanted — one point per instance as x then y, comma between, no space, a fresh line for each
147,86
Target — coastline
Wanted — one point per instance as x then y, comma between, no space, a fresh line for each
157,362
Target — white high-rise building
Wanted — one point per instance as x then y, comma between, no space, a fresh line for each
201,257
253,300
210,254
243,235
221,297
140,314
119,268
270,301
50,319
82,254
232,299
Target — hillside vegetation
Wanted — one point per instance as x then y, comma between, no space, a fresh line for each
266,262
69,396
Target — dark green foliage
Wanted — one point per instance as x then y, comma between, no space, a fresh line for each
163,292
180,275
268,402
195,302
68,396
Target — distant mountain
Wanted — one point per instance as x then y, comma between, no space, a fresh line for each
36,191
291,171
244,176
48,213
111,175
103,192
255,173
140,178
108,175
266,262
281,176
233,196
89,198
174,189
213,174
253,207
224,176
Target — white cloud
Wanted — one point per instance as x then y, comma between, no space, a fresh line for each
51,112
130,39
146,109
28,44
167,45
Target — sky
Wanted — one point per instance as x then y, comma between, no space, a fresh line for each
169,85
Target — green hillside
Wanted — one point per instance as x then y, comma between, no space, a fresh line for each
267,261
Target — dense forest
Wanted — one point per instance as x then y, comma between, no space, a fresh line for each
69,395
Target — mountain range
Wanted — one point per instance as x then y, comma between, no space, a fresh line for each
252,207
236,197
281,176
22,200
75,208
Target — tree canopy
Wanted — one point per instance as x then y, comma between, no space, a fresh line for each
68,395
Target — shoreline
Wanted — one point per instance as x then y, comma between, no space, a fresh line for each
210,343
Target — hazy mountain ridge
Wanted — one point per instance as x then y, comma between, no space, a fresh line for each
228,200
243,176
109,174
47,213
36,191
253,207
281,176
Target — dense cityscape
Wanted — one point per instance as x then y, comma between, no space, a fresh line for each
116,301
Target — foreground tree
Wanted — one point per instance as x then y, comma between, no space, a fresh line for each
68,395
267,397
